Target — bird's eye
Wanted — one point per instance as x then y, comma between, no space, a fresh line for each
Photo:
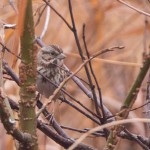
53,53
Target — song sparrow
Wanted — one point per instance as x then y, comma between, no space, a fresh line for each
50,64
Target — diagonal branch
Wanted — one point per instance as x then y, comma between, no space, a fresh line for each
11,128
119,122
136,9
128,103
69,26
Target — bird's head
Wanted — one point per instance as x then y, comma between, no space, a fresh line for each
53,54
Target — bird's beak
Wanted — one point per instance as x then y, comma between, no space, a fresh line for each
61,56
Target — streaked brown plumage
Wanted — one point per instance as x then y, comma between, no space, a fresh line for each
49,64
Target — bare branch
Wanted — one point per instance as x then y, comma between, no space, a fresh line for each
99,91
10,127
136,139
46,22
11,2
10,72
134,8
69,26
119,122
8,50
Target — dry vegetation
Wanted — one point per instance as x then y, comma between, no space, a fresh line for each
108,24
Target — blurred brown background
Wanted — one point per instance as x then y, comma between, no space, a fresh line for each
108,23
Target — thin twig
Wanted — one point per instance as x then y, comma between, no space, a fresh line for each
140,106
136,9
81,111
99,91
148,98
97,134
8,50
69,26
46,23
145,36
40,14
10,72
54,123
131,109
136,139
11,2
119,122
74,30
8,78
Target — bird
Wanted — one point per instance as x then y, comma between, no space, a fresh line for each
51,70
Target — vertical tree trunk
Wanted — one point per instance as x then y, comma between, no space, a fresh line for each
27,73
